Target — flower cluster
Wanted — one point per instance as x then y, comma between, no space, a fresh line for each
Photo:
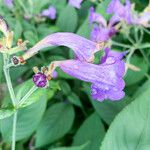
121,13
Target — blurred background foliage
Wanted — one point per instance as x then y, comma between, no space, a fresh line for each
64,116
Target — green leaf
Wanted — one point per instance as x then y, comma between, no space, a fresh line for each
31,37
68,19
57,121
82,147
24,88
6,112
74,99
18,30
92,131
130,129
84,30
102,7
65,87
28,119
135,76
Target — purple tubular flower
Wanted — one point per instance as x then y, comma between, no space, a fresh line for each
97,18
40,80
50,12
9,3
75,3
84,49
123,12
106,78
101,32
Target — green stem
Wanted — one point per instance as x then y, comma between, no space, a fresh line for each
121,44
14,131
12,95
8,80
30,92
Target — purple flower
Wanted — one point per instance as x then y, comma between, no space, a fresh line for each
40,79
75,3
50,12
84,49
101,32
9,3
122,12
106,78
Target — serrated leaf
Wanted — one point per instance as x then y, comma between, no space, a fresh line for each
56,122
68,19
130,129
92,131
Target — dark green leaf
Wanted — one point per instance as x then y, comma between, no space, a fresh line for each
57,121
68,19
92,131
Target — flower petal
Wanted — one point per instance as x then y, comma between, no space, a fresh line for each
75,3
84,49
97,18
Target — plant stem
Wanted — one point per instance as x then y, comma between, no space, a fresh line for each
12,95
121,44
30,92
8,80
14,131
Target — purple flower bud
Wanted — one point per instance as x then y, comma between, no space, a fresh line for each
50,12
40,79
75,3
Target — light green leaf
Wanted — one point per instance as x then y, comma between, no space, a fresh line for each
24,88
84,29
131,128
135,76
68,19
82,147
28,119
17,31
6,112
92,131
57,121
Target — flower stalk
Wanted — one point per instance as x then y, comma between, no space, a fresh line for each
12,95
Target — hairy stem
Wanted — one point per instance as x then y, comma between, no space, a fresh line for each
12,95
